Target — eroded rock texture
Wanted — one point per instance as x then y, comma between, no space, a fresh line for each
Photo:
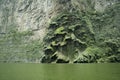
86,32
68,28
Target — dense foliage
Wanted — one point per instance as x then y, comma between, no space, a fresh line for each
84,37
16,46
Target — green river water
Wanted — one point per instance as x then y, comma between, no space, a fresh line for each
10,71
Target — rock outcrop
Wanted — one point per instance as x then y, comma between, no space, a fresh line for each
29,21
85,34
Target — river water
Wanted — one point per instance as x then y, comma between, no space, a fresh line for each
10,71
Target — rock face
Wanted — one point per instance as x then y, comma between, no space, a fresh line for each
17,20
26,15
22,16
85,34
36,15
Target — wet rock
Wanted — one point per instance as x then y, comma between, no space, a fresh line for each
62,61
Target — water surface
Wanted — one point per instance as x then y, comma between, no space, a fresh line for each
10,71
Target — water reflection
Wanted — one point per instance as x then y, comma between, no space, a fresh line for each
59,71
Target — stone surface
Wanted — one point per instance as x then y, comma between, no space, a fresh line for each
36,15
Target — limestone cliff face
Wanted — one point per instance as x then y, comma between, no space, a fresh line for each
26,15
35,15
17,18
32,15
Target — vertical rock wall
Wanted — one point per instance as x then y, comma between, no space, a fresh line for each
35,15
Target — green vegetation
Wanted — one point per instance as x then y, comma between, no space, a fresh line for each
84,37
16,46
78,33
69,36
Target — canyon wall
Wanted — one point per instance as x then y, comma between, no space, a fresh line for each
24,16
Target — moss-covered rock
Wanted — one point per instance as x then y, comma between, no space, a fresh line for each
110,59
49,50
60,31
90,55
53,25
85,37
65,39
